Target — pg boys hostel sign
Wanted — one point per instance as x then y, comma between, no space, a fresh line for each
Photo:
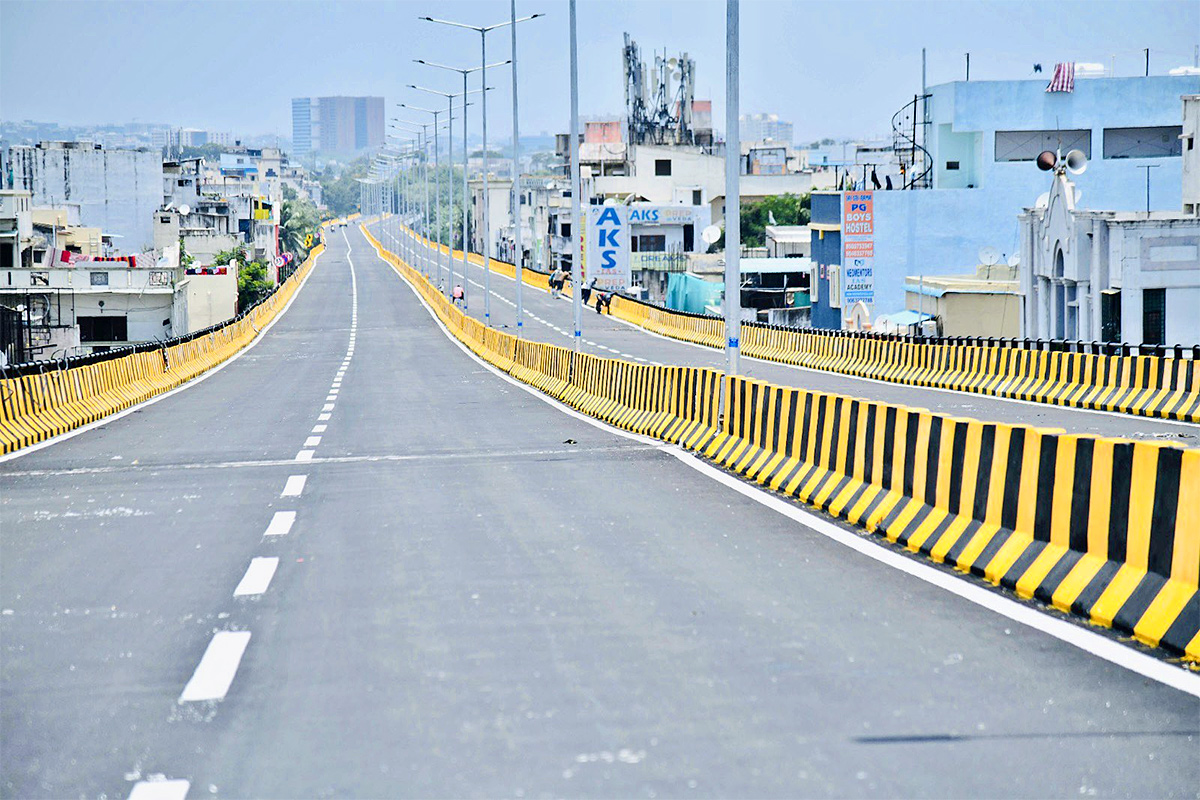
858,248
608,247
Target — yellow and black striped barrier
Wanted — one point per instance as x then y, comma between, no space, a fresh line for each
36,406
1145,385
1103,528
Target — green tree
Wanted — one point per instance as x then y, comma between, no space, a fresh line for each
298,218
252,278
787,209
340,187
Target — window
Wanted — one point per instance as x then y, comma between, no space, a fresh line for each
1160,142
165,220
1026,145
1154,316
652,243
102,329
160,278
662,166
99,279
39,279
1110,315
696,198
951,165
564,229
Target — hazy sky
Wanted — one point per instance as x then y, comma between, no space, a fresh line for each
833,68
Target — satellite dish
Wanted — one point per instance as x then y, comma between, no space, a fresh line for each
989,256
711,234
672,63
185,209
1076,162
677,74
1014,261
1043,200
1046,160
549,184
608,201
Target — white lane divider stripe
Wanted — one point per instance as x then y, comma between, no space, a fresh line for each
307,455
295,483
281,523
331,398
312,441
323,417
172,789
320,428
258,577
327,407
216,669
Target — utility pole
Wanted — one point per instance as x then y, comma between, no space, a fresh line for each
733,212
1147,62
968,67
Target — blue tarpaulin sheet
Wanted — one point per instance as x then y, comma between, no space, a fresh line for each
689,293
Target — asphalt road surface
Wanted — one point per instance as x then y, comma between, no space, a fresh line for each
355,563
550,319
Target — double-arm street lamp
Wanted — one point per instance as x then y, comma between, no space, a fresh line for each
487,283
450,145
483,31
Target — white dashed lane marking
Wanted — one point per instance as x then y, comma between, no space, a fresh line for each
307,455
319,428
169,789
295,483
281,523
216,669
312,441
257,578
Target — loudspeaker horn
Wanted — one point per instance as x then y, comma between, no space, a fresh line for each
1076,162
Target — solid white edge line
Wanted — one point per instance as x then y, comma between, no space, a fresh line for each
281,523
214,674
295,484
170,789
62,437
1093,643
258,576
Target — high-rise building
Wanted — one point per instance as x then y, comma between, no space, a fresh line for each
764,128
336,124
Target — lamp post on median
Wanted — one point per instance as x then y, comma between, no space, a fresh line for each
424,162
483,31
450,145
487,269
576,214
437,185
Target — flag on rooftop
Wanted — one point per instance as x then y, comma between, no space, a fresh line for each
1064,78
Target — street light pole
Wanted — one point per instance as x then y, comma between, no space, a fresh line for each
486,222
515,200
573,149
733,215
466,159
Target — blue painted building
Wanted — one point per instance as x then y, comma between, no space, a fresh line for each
983,138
